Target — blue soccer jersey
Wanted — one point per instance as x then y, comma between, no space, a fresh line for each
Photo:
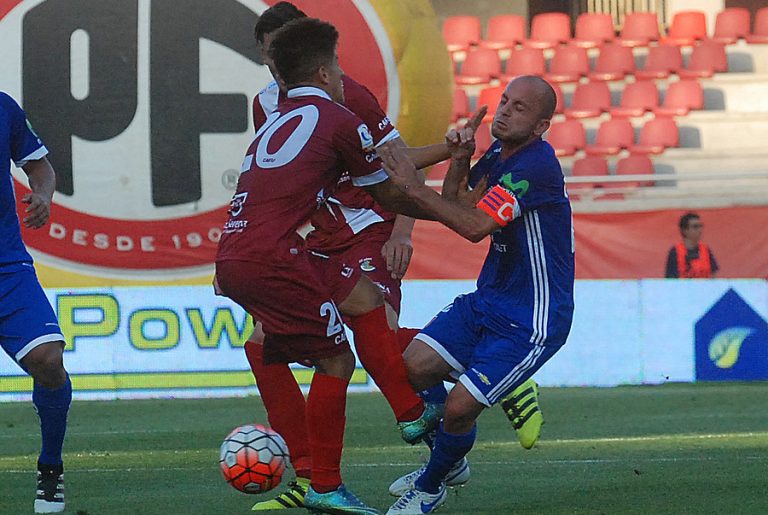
18,143
527,278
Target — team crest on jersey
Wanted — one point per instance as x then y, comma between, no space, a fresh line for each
236,206
366,140
366,265
347,272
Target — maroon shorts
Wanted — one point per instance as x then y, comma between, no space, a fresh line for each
295,300
366,254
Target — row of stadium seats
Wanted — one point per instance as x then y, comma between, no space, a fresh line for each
656,135
548,30
592,99
571,64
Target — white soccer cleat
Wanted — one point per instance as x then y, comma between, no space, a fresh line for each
457,476
416,502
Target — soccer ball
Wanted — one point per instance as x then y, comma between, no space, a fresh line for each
253,458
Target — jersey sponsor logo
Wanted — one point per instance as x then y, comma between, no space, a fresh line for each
518,188
366,265
366,140
173,143
483,378
384,123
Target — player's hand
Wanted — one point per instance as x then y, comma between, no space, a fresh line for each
461,142
397,251
470,197
216,287
399,166
38,210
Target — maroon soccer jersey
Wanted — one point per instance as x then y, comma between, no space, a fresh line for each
349,210
294,161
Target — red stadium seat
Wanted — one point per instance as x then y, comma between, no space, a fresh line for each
707,58
680,98
567,137
687,27
634,165
549,30
657,135
490,97
589,100
731,24
460,104
504,31
661,61
593,29
437,172
460,32
479,67
637,98
585,167
568,64
483,139
612,136
639,29
525,61
760,33
613,63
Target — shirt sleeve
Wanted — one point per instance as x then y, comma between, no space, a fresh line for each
25,144
671,271
715,266
265,104
364,104
354,143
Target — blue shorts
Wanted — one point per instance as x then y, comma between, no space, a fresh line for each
488,364
26,317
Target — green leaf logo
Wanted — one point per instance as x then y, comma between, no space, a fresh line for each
725,346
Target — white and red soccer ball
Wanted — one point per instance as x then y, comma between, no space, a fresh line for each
253,458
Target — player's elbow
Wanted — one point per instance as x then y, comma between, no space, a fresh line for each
473,233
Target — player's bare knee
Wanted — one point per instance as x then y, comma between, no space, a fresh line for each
341,366
461,410
364,298
46,365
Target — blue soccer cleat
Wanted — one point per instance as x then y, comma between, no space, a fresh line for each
412,432
339,501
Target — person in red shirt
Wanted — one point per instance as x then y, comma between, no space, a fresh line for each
691,259
290,169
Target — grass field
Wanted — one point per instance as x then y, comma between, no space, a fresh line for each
669,449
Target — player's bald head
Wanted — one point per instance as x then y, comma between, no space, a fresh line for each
541,92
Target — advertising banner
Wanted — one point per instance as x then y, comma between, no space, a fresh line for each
134,342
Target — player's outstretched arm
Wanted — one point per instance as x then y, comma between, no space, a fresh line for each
42,182
469,222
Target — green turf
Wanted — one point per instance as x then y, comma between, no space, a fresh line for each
671,449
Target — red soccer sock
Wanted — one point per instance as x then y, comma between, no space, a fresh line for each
326,407
379,352
405,336
285,406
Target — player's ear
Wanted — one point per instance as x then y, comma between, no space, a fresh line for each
323,75
541,127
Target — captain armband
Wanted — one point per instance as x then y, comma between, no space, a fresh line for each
500,205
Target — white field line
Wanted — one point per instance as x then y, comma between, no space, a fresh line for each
596,461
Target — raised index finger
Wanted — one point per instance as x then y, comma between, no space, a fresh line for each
476,119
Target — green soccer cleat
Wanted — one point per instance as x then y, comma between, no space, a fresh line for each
412,432
522,409
293,497
339,501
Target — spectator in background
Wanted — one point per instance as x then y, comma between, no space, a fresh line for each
690,258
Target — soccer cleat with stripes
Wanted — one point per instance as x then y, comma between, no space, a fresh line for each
413,431
416,502
50,489
293,497
522,409
339,501
457,476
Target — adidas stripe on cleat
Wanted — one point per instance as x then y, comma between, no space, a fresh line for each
522,409
293,497
50,489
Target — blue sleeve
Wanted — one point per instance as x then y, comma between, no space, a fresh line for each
24,143
536,180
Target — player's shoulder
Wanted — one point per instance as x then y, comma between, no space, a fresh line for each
7,102
540,156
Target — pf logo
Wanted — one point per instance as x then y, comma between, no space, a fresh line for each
144,106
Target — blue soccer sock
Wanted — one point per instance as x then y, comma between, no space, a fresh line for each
435,395
448,450
52,407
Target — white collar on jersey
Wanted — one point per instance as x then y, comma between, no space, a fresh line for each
306,91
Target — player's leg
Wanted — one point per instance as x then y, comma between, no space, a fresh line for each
30,334
285,406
